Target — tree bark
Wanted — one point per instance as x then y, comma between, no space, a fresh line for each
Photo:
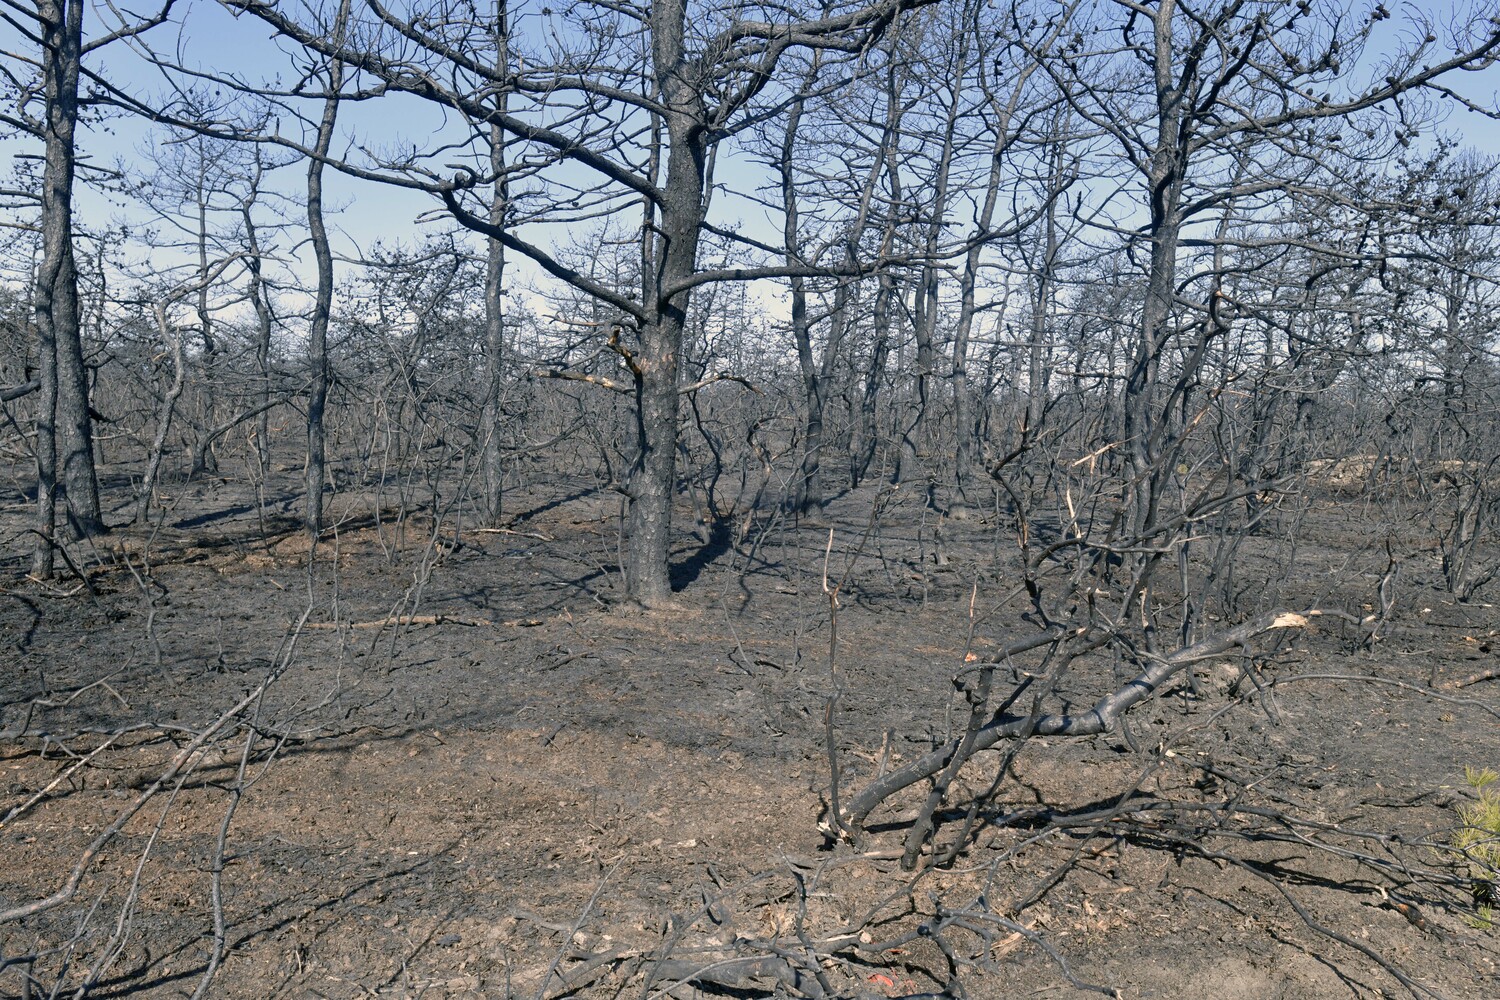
1164,175
65,450
204,459
173,341
260,301
317,341
650,482
867,429
494,343
494,297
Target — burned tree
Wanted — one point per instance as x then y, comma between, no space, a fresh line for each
607,111
52,88
1216,112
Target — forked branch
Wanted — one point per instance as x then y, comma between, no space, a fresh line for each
1101,718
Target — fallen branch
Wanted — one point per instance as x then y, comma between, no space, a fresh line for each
409,620
1463,682
1099,719
185,759
511,531
738,973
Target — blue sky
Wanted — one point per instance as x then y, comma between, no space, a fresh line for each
208,38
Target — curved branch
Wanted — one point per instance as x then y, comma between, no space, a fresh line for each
548,263
422,85
1100,718
599,380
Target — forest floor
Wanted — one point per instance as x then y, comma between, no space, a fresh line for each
475,774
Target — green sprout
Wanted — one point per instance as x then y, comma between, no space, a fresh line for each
1479,840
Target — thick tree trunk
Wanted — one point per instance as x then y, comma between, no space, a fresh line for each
493,467
651,481
494,345
66,457
46,428
317,346
1141,423
204,459
916,433
261,303
866,428
74,419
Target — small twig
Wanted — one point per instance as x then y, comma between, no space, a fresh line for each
1463,682
64,776
511,531
407,620
830,706
583,915
599,380
185,759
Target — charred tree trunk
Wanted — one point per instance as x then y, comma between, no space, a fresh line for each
494,345
65,448
172,339
261,302
807,494
1142,430
867,429
651,481
916,430
494,298
317,341
204,459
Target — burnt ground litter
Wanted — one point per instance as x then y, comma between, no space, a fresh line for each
478,774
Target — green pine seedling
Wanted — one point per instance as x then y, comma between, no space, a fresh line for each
1479,840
